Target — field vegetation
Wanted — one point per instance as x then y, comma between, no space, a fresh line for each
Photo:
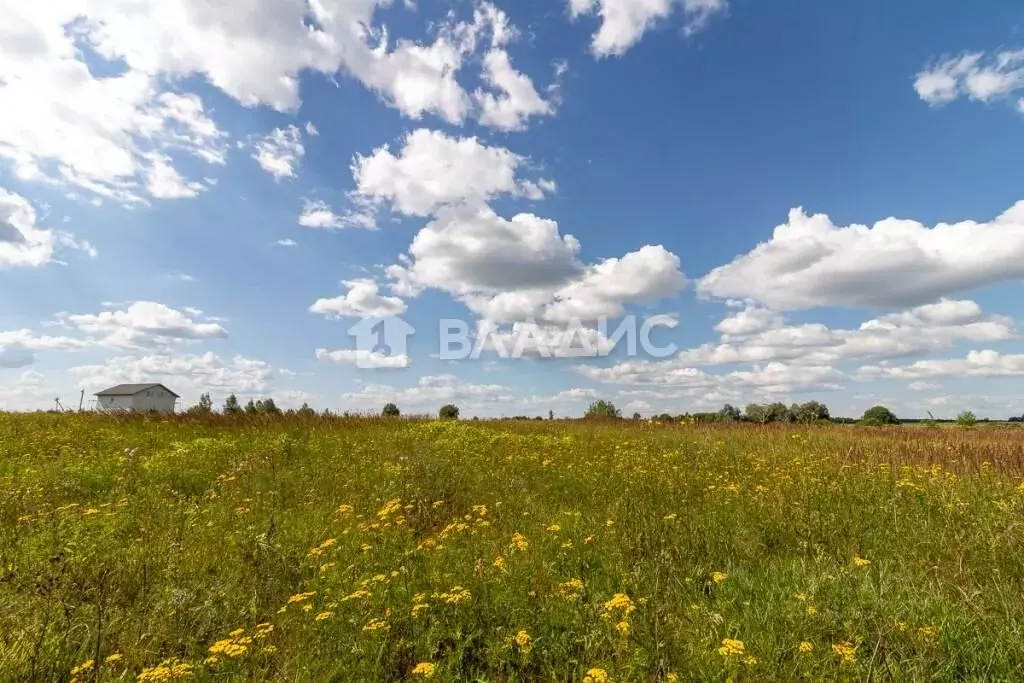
266,547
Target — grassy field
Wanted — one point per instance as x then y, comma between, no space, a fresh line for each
371,550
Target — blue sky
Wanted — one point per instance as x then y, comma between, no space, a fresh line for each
210,196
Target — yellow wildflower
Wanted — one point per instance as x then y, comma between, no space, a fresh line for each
425,669
846,651
346,510
719,577
554,528
860,561
167,670
112,659
499,562
621,604
83,667
731,647
324,616
375,625
524,642
519,542
596,676
570,590
805,647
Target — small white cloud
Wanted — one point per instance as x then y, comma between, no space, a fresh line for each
623,22
287,243
318,215
363,300
517,100
363,358
969,76
279,152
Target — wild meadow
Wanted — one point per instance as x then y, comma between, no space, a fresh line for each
158,549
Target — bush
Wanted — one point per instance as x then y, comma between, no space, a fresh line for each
391,410
602,409
879,416
966,419
449,412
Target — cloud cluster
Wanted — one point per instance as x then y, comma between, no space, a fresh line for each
970,76
112,134
811,262
183,373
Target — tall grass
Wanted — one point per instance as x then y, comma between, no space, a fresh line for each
362,550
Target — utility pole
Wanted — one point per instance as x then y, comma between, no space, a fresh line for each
81,399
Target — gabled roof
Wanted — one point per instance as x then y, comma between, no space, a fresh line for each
132,389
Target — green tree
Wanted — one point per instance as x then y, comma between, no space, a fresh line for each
757,412
204,407
602,409
966,419
266,406
729,413
390,410
636,416
878,416
551,415
250,408
306,411
231,406
449,412
812,411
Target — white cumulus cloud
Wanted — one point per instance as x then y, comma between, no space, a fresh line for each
811,262
363,300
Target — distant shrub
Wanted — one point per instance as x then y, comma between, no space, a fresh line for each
605,409
878,416
391,410
449,412
966,419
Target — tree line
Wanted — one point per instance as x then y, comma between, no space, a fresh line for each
761,413
811,412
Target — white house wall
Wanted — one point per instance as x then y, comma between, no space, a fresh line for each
154,400
116,403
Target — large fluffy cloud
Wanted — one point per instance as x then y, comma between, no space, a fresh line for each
623,22
812,262
432,170
467,250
